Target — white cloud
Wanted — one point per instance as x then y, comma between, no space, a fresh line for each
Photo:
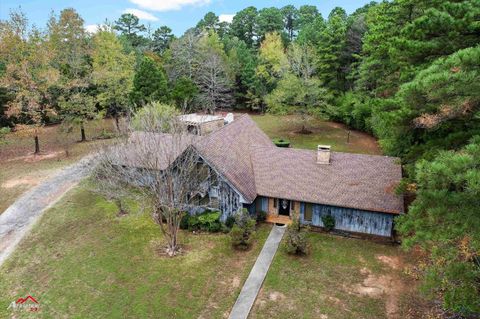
91,28
141,14
94,28
226,18
167,5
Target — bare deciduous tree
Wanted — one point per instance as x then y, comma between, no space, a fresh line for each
214,82
158,162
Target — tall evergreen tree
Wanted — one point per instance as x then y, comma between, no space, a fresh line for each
330,50
243,25
161,39
268,20
290,20
149,83
444,221
438,109
306,15
129,26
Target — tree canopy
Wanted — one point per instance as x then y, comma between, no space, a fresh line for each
406,71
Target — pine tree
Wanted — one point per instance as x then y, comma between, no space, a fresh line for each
329,51
149,83
444,221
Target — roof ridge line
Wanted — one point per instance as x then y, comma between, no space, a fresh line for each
229,124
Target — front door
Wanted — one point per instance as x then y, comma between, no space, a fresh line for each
284,207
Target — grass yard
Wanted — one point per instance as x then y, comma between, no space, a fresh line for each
20,169
341,278
323,132
87,263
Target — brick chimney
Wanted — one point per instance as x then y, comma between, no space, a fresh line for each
323,154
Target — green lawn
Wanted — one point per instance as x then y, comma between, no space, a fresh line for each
81,261
341,278
323,132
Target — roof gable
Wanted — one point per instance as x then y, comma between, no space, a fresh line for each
229,150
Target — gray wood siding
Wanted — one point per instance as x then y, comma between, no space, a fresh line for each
353,220
229,200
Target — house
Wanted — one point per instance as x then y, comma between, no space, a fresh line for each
202,124
248,171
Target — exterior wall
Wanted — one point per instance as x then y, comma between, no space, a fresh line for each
219,195
259,204
229,200
295,206
211,126
271,209
352,220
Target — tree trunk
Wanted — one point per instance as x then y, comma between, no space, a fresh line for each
185,104
37,145
82,131
117,122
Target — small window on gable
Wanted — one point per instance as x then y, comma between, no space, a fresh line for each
214,191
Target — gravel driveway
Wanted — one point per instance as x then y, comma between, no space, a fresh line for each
17,220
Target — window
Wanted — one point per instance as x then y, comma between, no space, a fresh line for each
292,205
214,191
307,216
275,203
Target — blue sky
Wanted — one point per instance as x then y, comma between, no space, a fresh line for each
177,14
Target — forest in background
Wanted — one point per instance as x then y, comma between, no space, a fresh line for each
405,71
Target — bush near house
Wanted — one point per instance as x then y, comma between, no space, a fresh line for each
230,221
243,231
208,221
261,216
296,242
328,222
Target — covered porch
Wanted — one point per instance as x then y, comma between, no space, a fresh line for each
278,210
279,219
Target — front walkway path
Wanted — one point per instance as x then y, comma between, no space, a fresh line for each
16,221
250,289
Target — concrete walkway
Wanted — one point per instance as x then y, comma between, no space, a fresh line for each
17,220
254,282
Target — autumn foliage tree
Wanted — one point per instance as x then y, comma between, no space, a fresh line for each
29,72
113,72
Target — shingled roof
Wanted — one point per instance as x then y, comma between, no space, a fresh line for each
253,165
229,150
357,181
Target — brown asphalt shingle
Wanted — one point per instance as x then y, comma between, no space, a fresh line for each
358,181
229,151
253,165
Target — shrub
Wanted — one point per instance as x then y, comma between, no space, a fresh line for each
230,221
3,132
207,221
184,221
280,142
328,222
210,221
261,216
296,242
243,231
